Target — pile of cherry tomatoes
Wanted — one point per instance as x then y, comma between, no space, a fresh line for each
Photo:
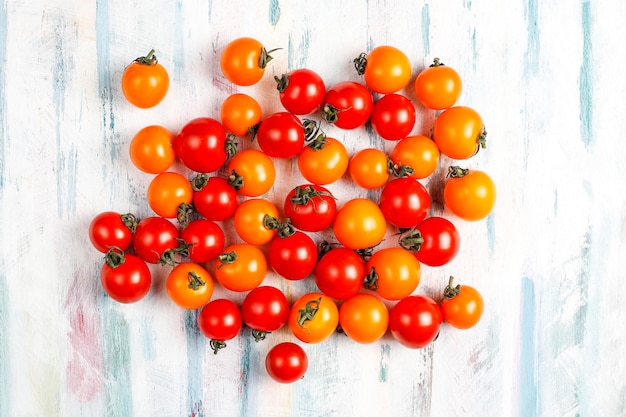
364,288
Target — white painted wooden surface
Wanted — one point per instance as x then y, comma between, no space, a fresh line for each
547,76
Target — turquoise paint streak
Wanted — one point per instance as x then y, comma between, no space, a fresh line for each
528,361
385,353
195,353
531,14
274,12
117,364
426,29
104,77
586,81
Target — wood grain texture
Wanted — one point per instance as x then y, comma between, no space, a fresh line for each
545,75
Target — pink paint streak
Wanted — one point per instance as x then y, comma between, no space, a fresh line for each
84,368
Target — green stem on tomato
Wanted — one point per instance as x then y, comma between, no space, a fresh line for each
149,59
451,291
226,258
412,241
360,62
216,345
235,180
371,280
308,312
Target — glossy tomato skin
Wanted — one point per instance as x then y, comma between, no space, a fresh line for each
368,168
220,320
405,202
286,362
145,82
215,199
420,153
243,61
241,267
348,105
438,87
240,113
324,165
265,309
310,207
111,229
252,172
201,145
313,318
153,237
303,93
393,272
293,257
388,69
364,318
462,307
471,196
152,149
459,132
127,280
167,192
206,239
340,273
441,241
189,285
281,135
359,224
393,117
415,321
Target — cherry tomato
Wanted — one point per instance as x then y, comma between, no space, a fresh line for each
292,254
265,309
364,318
385,69
359,224
243,61
111,229
125,277
241,267
368,168
438,87
286,362
152,150
241,114
281,135
220,320
340,273
404,202
256,221
214,198
155,240
313,318
202,145
167,192
145,82
416,156
393,272
415,321
435,241
348,105
189,285
393,117
462,306
310,207
469,194
301,91
252,172
459,132
206,240
324,162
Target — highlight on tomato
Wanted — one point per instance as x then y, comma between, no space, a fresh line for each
386,69
364,318
438,87
359,224
145,82
416,156
313,317
286,362
243,61
220,320
125,277
415,321
393,273
469,194
189,285
152,150
459,132
462,305
241,267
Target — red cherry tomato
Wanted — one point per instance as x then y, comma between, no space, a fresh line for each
281,135
155,240
292,254
435,241
265,309
310,207
202,146
404,202
214,198
111,229
415,321
286,362
393,117
125,277
301,91
348,105
220,320
206,240
340,273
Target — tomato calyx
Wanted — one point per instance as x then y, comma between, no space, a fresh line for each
437,63
308,312
149,59
412,240
265,57
271,223
313,134
360,62
306,194
457,172
217,345
399,171
226,258
129,221
195,281
331,113
451,291
325,247
371,280
230,144
114,257
184,213
286,229
235,180
259,335
199,182
282,82
481,141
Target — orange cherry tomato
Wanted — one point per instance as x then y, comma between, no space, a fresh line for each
145,82
253,221
252,172
469,194
243,61
394,273
313,317
167,192
368,168
419,153
459,132
462,306
240,113
189,285
387,69
364,318
323,164
359,224
151,149
241,267
438,87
